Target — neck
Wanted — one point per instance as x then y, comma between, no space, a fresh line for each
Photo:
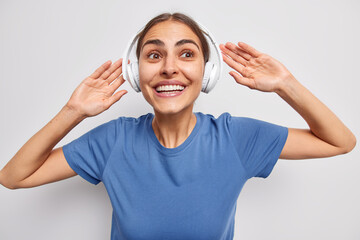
173,129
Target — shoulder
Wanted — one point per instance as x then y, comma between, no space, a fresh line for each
237,125
210,117
118,125
136,119
136,122
128,121
227,119
221,123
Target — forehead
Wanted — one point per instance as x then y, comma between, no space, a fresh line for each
171,31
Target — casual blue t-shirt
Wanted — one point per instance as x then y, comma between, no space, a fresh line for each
188,192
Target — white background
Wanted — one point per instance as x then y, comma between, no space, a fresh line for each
49,47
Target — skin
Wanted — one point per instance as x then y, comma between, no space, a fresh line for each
174,119
327,136
38,163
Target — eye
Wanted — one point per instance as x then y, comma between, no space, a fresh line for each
153,55
187,54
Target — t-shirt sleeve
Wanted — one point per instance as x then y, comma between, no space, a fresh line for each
88,154
258,143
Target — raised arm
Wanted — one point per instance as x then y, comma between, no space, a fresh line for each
327,135
37,163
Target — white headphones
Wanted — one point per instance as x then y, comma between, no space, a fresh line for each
211,74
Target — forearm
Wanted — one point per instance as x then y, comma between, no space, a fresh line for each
36,150
323,123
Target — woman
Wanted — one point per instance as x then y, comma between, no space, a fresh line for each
176,174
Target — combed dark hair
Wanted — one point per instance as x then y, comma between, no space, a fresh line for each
180,17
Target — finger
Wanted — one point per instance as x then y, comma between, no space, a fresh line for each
242,80
238,51
235,65
116,84
116,97
114,75
233,55
113,67
249,49
101,69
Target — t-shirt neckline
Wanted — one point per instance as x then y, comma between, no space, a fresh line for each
173,151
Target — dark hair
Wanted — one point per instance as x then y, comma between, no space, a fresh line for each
180,17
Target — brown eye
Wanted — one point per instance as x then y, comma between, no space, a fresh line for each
187,54
154,56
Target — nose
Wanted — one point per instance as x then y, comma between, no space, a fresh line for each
169,68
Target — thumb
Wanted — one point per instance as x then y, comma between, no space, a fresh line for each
242,80
116,97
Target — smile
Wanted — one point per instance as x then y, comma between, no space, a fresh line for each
169,88
166,91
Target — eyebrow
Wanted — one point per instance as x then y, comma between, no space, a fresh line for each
158,42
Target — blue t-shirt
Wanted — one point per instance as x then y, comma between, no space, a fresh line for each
187,192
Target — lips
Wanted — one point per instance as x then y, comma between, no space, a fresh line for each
169,93
170,82
169,88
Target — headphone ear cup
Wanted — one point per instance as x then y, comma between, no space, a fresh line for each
208,78
133,72
214,77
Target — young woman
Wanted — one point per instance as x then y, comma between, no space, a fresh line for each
176,174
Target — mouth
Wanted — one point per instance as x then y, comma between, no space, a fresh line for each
169,88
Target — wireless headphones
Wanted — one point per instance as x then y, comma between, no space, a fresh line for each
211,74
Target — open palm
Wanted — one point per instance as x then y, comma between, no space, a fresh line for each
95,94
254,69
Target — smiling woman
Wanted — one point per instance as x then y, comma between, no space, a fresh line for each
184,180
178,61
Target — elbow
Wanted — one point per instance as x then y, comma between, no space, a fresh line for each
353,143
10,187
7,184
350,144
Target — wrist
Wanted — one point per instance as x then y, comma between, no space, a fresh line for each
71,113
286,86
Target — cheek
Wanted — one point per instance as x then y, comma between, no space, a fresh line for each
146,73
144,78
194,72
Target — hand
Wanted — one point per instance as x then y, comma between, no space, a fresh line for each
95,94
257,70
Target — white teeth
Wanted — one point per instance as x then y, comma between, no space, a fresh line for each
166,88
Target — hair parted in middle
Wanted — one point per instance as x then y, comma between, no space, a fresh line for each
179,17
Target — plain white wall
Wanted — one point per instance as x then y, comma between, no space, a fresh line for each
49,47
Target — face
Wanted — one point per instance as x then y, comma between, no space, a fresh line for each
171,67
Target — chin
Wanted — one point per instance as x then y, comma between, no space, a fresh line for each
171,105
172,110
